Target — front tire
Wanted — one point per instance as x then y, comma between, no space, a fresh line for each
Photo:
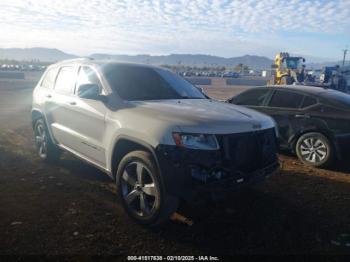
315,149
140,189
46,149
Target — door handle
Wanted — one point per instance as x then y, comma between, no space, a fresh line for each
73,103
48,96
302,116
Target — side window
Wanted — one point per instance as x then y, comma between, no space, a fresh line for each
286,99
252,98
309,101
65,80
49,78
87,75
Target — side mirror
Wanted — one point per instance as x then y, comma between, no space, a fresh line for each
89,91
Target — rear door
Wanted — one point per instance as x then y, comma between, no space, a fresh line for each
285,107
59,106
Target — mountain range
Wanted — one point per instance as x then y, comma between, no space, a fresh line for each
36,53
53,55
257,62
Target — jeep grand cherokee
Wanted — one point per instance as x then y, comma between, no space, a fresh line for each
157,135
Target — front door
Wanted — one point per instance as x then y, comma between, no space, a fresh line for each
88,119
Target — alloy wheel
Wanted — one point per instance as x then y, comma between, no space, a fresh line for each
139,190
313,150
41,140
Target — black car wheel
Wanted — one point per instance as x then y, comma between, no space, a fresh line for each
46,149
140,189
315,149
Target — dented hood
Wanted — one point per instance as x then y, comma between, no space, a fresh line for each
204,115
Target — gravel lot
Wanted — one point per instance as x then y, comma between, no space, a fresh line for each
71,208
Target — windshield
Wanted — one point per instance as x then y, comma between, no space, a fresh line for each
142,83
293,63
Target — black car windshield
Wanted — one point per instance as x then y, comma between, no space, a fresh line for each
145,83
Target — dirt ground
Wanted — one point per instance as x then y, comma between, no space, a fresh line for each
70,208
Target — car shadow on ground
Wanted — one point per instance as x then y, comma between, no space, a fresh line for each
291,212
339,165
342,166
296,211
271,217
82,169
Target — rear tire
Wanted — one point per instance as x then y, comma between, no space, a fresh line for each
140,189
315,149
46,149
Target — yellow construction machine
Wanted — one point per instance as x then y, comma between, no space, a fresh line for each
287,70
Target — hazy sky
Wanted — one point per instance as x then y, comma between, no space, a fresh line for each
319,28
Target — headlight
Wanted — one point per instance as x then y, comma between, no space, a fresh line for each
196,141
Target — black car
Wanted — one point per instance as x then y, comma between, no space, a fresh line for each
313,122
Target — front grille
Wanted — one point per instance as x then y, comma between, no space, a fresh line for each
248,152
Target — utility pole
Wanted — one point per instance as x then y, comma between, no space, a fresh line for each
344,56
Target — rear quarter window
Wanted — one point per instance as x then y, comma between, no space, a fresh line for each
49,78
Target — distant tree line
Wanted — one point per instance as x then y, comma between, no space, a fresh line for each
26,62
240,68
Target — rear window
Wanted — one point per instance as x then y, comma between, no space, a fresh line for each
49,78
286,99
252,97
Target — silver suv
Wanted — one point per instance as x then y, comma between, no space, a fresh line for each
157,135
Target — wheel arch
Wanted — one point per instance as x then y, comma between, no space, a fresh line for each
124,145
36,114
293,141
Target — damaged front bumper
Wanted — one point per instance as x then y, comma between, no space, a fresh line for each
237,179
187,173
